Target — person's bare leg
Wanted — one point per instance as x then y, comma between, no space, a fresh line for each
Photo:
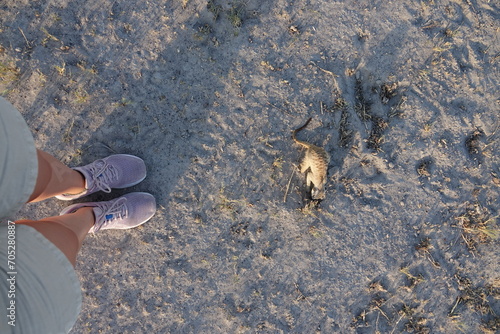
66,232
55,178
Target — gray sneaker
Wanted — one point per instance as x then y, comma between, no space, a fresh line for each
122,213
116,171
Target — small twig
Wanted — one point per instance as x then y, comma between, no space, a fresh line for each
383,313
454,307
301,295
109,148
431,259
27,42
67,134
397,322
274,106
469,245
326,71
288,186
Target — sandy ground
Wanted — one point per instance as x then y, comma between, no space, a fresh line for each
404,95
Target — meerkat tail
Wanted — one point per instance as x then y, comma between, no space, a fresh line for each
294,133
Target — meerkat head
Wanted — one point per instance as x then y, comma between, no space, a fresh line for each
317,193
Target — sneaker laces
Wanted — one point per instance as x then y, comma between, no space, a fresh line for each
111,212
102,175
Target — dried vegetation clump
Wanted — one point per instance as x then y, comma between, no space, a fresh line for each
473,144
424,167
477,225
376,137
388,91
478,299
9,73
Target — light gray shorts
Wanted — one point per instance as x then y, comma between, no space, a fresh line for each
18,160
39,284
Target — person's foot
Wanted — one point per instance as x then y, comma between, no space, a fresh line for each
116,171
125,212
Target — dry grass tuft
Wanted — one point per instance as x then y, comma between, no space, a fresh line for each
376,138
477,226
475,297
8,74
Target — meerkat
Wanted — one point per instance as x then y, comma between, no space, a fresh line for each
314,164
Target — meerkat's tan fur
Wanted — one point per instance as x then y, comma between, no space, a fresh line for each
314,164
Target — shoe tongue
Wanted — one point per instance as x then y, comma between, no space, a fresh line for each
89,178
98,211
